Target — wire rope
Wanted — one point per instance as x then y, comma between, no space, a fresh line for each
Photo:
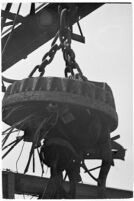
19,157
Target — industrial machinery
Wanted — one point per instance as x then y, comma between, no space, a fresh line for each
67,119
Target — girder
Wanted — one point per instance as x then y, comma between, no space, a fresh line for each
37,29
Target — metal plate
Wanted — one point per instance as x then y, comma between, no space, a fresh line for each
32,95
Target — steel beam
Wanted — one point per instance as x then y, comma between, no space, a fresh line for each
9,185
11,16
33,185
36,30
7,9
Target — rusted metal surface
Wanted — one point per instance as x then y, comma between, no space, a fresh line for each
34,94
70,119
74,119
37,29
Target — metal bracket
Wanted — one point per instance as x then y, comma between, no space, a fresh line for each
78,38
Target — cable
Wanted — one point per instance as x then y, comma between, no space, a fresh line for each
19,157
40,162
8,80
42,197
15,144
9,37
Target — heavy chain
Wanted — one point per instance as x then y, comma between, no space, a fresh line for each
65,39
64,35
47,59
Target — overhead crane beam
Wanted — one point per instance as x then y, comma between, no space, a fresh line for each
15,183
37,29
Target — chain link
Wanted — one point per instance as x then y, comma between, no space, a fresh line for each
64,35
65,39
47,59
33,71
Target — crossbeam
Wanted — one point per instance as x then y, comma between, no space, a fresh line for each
3,20
11,16
15,183
36,30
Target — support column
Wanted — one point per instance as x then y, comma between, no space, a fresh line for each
9,193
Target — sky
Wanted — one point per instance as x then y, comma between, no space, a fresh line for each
105,57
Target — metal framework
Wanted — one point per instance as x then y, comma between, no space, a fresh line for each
25,35
14,183
32,32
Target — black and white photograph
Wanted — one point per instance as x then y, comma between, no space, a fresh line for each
66,100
